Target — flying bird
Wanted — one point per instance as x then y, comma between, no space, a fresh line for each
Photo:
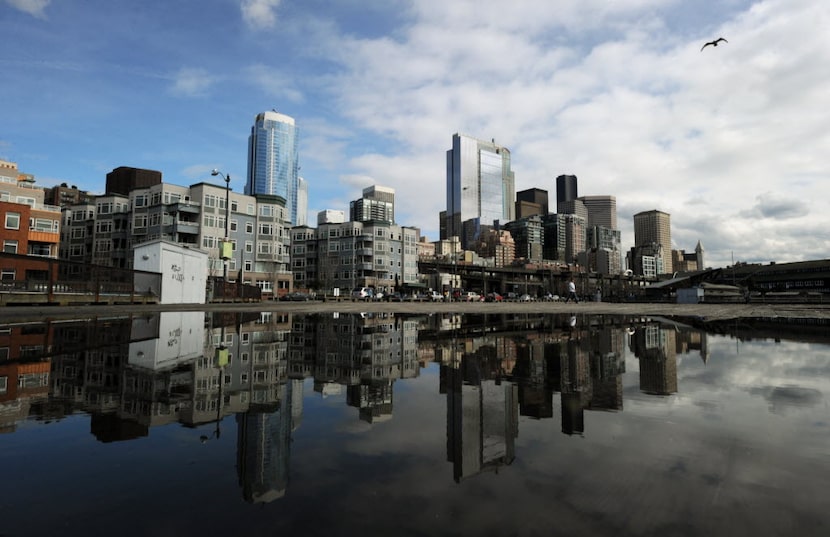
714,43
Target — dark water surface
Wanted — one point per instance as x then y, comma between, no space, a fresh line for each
414,425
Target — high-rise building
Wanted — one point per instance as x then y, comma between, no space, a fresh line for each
480,188
377,203
602,210
273,161
565,191
652,229
531,202
302,202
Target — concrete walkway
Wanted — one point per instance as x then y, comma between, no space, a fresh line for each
10,314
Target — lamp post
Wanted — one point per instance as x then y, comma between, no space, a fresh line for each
226,255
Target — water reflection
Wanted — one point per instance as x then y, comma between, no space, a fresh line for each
133,373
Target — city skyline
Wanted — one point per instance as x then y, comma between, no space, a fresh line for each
727,140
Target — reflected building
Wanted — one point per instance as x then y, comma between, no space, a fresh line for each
656,349
482,414
362,353
264,447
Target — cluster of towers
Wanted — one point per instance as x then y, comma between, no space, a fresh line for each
485,213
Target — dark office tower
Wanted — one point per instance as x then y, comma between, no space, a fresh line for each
531,202
123,179
565,190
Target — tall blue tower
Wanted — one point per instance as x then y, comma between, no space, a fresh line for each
273,163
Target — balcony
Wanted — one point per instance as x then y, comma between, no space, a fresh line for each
191,228
185,207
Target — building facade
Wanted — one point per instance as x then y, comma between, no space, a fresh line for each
354,254
105,231
273,160
653,229
377,203
29,226
480,188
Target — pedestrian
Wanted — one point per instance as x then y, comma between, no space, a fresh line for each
572,292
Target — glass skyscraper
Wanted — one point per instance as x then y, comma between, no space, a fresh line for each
480,187
273,163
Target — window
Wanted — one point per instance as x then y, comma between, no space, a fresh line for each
7,274
40,249
234,225
140,201
249,248
234,206
266,210
43,224
4,384
140,220
266,229
10,247
103,226
249,227
12,220
249,265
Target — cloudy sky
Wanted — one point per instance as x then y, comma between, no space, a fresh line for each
732,141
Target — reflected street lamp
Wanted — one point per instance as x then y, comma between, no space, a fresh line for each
225,249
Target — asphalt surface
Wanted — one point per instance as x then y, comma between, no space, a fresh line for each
703,311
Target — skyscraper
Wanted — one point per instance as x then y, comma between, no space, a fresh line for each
480,187
602,210
565,191
273,163
531,201
653,229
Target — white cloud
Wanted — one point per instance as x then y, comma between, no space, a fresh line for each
192,82
35,8
277,84
260,14
607,91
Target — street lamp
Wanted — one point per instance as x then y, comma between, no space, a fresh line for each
225,248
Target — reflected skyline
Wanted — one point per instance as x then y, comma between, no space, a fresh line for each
496,375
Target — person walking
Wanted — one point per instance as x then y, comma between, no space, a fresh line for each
572,292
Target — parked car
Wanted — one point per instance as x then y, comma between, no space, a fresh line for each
363,293
297,296
435,296
470,296
527,298
493,297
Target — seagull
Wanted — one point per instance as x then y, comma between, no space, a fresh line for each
714,43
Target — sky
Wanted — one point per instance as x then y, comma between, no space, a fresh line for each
732,141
